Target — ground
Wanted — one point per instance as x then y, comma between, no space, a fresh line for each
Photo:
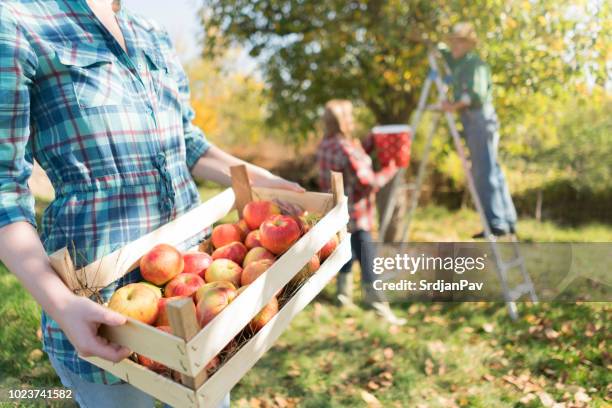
447,355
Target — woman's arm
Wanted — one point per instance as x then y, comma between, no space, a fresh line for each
215,165
79,317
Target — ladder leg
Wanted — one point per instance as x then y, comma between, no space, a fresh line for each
399,177
414,200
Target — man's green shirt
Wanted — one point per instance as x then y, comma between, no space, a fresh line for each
471,79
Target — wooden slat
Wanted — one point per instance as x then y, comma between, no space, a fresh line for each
150,342
241,186
217,386
313,202
108,269
158,386
184,324
213,338
337,184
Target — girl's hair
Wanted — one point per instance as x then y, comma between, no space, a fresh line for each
338,118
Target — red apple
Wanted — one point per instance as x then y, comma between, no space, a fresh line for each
328,248
264,315
307,270
253,239
222,286
196,262
255,212
235,251
278,233
224,270
212,302
162,306
257,254
254,270
243,228
186,284
137,301
161,264
152,364
224,234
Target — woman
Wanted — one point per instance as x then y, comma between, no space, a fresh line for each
339,151
101,101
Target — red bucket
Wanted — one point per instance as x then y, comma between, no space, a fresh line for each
392,142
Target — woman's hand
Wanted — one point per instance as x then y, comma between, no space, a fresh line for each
80,319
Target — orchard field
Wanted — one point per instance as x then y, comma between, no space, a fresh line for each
447,355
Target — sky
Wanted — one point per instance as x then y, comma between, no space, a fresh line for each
179,17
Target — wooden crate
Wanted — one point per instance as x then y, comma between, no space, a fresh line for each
190,349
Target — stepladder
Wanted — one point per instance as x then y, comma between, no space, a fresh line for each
437,76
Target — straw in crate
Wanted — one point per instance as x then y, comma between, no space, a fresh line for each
187,348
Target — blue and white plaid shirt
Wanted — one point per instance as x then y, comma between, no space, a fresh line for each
113,130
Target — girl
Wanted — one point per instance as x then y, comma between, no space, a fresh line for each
338,151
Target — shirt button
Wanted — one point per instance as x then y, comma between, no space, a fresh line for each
139,65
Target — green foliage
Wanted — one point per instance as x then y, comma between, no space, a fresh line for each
373,52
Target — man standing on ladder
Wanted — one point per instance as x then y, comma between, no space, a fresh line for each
473,100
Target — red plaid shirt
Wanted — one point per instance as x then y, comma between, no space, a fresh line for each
360,181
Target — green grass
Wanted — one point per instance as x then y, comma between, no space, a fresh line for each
447,355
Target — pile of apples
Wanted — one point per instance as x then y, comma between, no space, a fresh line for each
240,253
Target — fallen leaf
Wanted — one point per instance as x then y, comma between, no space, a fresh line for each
429,366
581,396
546,399
488,327
370,399
388,353
35,355
527,398
488,377
551,334
373,386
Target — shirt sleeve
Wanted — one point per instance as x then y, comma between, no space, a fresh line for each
361,164
17,67
196,144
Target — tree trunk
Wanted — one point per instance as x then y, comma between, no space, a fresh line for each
397,221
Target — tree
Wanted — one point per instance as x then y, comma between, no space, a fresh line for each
374,52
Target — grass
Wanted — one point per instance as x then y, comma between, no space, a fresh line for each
447,355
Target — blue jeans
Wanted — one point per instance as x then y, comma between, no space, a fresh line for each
481,129
361,247
92,395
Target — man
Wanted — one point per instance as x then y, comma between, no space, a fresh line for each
473,100
101,101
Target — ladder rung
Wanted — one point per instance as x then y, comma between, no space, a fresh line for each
512,264
408,186
519,290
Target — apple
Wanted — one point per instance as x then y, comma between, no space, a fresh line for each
254,270
307,270
162,306
211,303
224,270
222,286
152,364
161,264
185,284
235,251
224,234
278,233
156,289
308,220
328,248
137,301
243,228
253,239
196,262
255,212
257,254
264,315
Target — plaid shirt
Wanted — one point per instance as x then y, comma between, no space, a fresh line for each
360,181
113,130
